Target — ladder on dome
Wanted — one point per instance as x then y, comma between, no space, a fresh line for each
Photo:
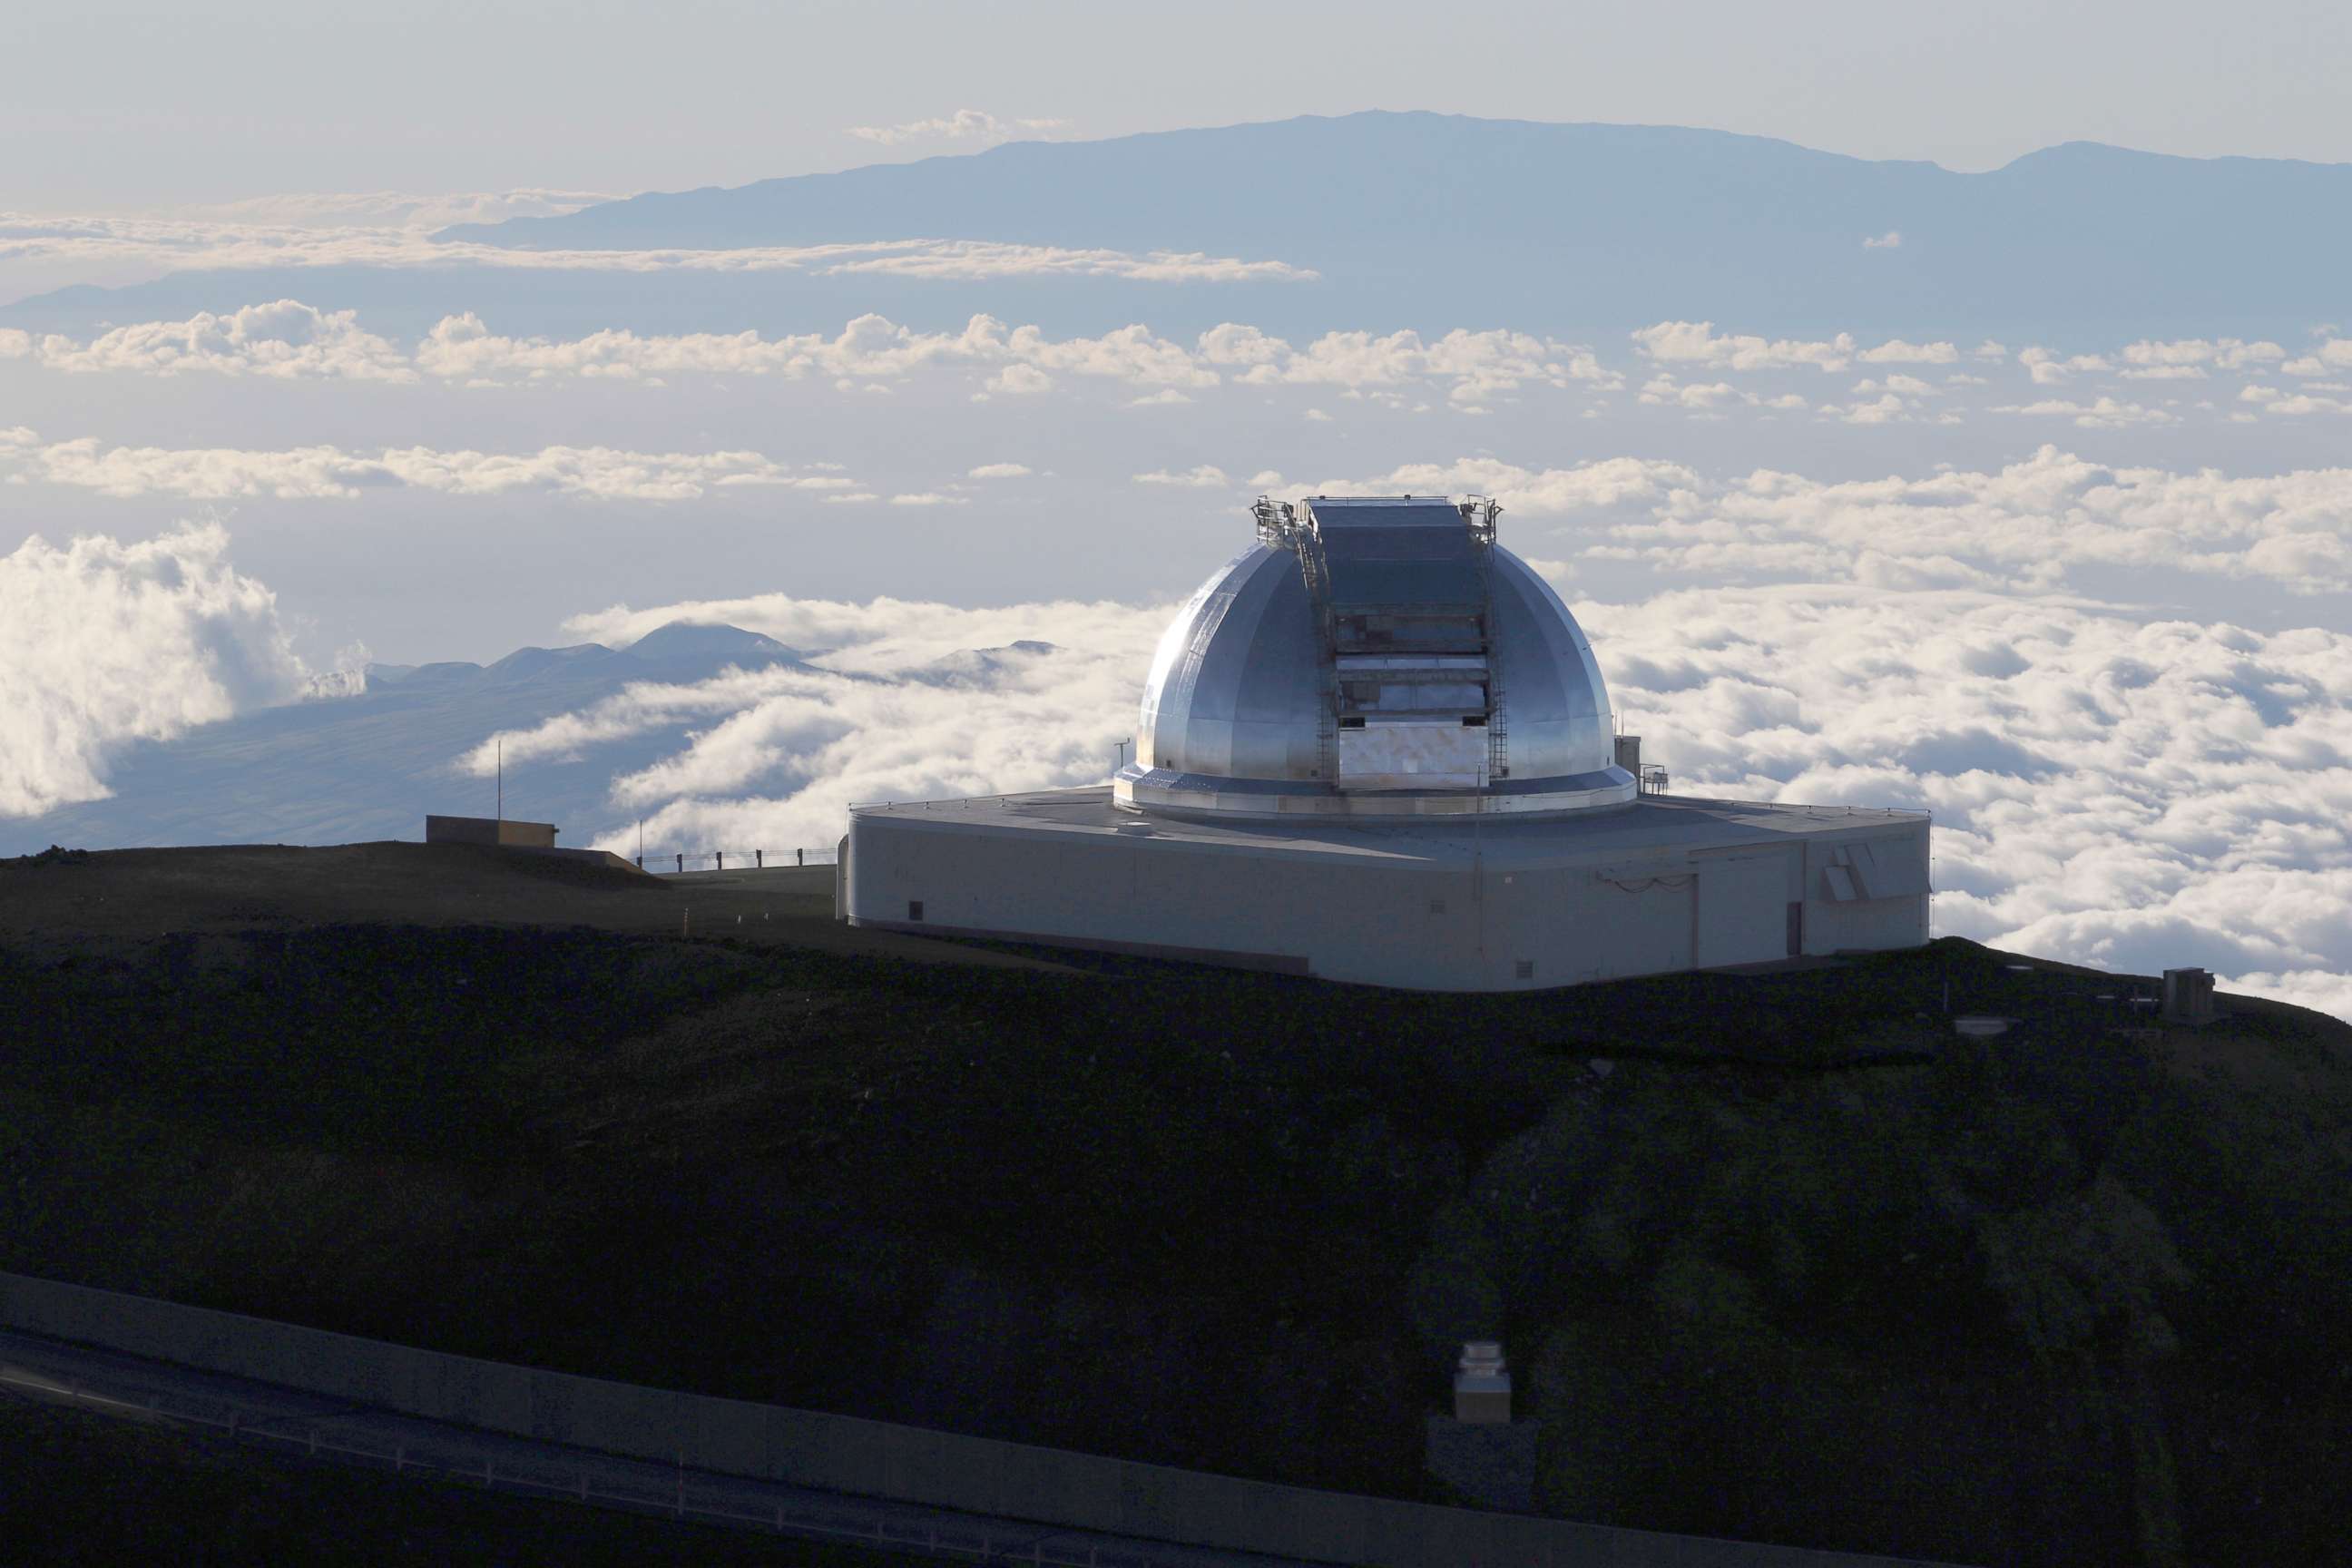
1317,573
1278,526
1479,512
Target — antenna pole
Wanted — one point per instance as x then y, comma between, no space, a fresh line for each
502,778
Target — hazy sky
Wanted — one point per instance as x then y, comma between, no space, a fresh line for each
148,104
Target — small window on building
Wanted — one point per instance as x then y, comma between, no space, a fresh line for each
1437,906
914,908
1526,969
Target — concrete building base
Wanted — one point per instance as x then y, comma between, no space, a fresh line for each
1486,903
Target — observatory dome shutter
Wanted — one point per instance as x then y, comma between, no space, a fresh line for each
1406,615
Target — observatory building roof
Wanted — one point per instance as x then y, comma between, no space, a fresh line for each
1374,656
1629,841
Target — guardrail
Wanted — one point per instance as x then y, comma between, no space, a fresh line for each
675,862
982,1477
674,1492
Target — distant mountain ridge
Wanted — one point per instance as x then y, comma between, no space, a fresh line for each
1423,221
648,656
1555,227
344,770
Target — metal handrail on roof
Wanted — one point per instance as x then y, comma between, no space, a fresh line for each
1277,523
1480,512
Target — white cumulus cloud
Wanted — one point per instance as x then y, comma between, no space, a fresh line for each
285,338
2226,353
126,249
2027,524
2102,413
315,472
394,209
964,125
1698,344
1203,478
103,644
2048,369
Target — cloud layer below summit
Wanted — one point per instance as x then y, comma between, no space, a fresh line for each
1896,381
38,252
2108,789
2073,587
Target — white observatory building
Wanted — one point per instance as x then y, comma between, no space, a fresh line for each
1375,746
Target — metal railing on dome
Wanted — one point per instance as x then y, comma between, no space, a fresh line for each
1480,512
1276,521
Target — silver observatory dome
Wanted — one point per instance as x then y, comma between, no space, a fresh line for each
1374,657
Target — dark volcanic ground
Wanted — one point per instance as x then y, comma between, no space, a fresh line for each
140,894
1774,1256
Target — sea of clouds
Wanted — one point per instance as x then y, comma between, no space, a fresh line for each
2127,783
2144,381
2111,785
2107,789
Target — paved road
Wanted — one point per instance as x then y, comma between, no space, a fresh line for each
292,1422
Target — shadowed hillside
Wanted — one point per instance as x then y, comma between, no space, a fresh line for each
1775,1255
